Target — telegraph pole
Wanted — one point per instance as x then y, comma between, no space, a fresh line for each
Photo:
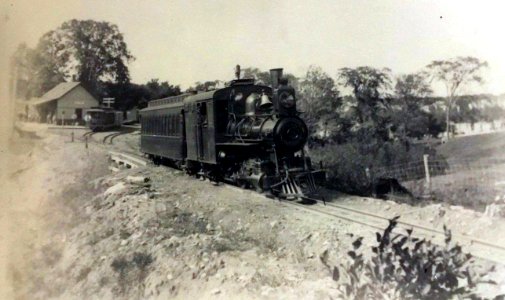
108,101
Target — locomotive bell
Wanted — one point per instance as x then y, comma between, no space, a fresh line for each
265,102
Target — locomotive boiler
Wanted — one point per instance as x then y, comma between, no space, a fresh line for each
247,134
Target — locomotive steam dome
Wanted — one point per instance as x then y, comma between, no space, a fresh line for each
290,134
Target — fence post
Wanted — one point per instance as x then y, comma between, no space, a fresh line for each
427,191
369,179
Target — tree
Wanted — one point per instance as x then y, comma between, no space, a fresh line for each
260,76
21,71
35,72
411,88
319,100
455,73
370,88
206,86
85,50
263,77
410,120
157,90
137,95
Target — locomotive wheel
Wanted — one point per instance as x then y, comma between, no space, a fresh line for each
156,160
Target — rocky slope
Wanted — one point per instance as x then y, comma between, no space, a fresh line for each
74,230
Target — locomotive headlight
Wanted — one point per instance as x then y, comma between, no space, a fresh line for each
287,100
222,154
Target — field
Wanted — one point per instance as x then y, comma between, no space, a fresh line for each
472,173
477,148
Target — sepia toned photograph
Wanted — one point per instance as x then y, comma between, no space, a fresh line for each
330,149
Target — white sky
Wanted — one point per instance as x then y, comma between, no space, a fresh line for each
188,41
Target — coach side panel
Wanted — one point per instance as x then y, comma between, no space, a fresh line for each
162,133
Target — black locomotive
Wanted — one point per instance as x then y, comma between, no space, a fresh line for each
246,134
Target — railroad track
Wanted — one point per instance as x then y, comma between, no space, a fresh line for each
112,136
478,248
88,134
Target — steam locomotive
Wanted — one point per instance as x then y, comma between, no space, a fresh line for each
247,134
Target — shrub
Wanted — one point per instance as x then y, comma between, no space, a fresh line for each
123,267
142,260
346,163
404,267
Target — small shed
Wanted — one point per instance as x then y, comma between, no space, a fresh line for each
65,103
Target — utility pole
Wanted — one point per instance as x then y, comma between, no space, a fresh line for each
108,101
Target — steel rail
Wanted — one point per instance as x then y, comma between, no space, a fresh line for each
339,211
433,230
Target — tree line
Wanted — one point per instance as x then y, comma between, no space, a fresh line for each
377,105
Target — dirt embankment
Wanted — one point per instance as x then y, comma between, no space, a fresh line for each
73,230
77,231
40,178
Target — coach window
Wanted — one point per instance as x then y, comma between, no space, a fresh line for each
168,125
171,122
177,120
169,118
170,129
202,114
160,123
165,126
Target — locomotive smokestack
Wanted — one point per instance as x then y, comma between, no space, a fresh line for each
275,75
237,71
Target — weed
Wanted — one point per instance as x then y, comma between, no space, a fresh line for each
404,267
142,260
124,234
121,266
132,271
182,223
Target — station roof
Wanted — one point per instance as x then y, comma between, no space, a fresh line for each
55,93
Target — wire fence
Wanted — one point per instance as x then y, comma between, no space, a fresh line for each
458,182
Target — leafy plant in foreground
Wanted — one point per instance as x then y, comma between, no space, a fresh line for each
405,267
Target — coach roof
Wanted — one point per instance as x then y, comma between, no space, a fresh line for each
200,97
